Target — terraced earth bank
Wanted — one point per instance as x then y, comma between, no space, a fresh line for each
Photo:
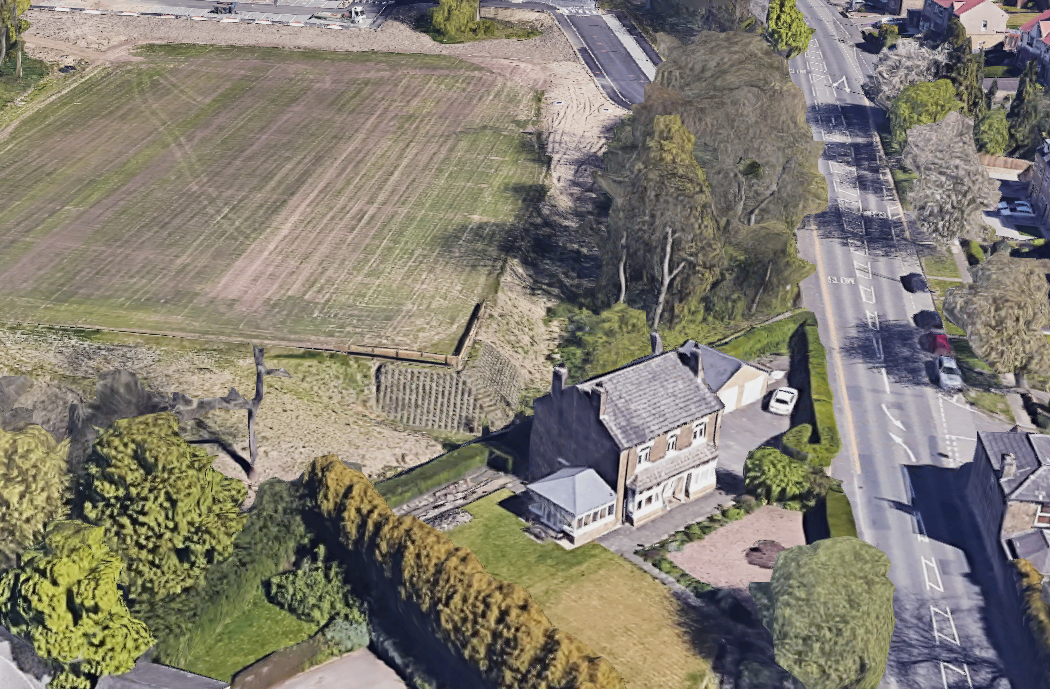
305,198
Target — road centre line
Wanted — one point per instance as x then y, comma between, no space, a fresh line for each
885,380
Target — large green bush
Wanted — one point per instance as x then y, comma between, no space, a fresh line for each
439,471
315,591
923,103
773,476
823,443
832,613
65,601
34,487
274,532
168,513
786,28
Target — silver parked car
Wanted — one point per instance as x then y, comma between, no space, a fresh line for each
783,401
948,375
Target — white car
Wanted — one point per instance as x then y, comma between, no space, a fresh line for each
1023,207
948,375
783,401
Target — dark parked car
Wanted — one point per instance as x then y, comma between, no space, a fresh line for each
929,320
914,282
936,343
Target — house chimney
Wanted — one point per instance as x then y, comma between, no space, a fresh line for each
1009,467
598,396
561,374
690,355
656,343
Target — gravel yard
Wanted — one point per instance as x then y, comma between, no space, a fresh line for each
720,558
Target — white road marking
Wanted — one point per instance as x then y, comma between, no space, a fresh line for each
862,268
864,294
954,638
923,538
964,672
877,342
873,319
927,564
886,380
896,423
900,441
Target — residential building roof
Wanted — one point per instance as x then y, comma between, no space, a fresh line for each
719,367
1034,546
653,395
689,458
576,489
1030,24
156,676
1003,85
1031,481
961,7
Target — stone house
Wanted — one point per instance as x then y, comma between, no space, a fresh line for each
1034,44
648,430
984,21
1010,492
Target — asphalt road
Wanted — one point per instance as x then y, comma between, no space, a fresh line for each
905,444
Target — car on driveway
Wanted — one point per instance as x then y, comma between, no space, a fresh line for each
929,320
936,343
914,282
783,401
948,375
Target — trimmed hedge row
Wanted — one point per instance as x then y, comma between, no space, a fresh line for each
187,621
491,625
819,442
1036,611
771,338
839,514
439,471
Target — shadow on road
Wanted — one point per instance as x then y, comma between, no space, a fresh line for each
940,497
894,346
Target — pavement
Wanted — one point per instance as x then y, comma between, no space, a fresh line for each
742,431
358,670
905,444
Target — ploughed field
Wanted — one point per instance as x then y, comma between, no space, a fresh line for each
308,198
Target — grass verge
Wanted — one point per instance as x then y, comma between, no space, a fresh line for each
438,472
480,30
992,402
902,181
593,594
939,288
260,628
940,263
840,514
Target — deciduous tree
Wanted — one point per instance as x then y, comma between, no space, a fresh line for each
786,28
952,189
65,601
992,132
829,606
910,62
34,488
1003,312
1024,111
918,104
167,511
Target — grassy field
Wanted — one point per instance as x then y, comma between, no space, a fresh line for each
940,263
291,196
258,631
615,608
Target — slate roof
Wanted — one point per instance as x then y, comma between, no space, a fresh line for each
1030,24
651,396
1034,546
719,367
156,676
689,458
576,489
1031,482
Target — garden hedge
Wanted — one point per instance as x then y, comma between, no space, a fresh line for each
818,442
438,472
187,621
771,338
491,627
1036,611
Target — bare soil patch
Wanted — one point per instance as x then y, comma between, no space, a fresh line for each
721,558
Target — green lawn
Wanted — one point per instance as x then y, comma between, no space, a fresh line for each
902,181
940,263
1016,19
259,630
939,288
606,602
1002,71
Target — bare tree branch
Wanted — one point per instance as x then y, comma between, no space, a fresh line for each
667,277
772,193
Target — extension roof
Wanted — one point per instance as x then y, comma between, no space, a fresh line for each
1034,546
653,395
1031,482
719,367
576,489
156,676
1030,24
